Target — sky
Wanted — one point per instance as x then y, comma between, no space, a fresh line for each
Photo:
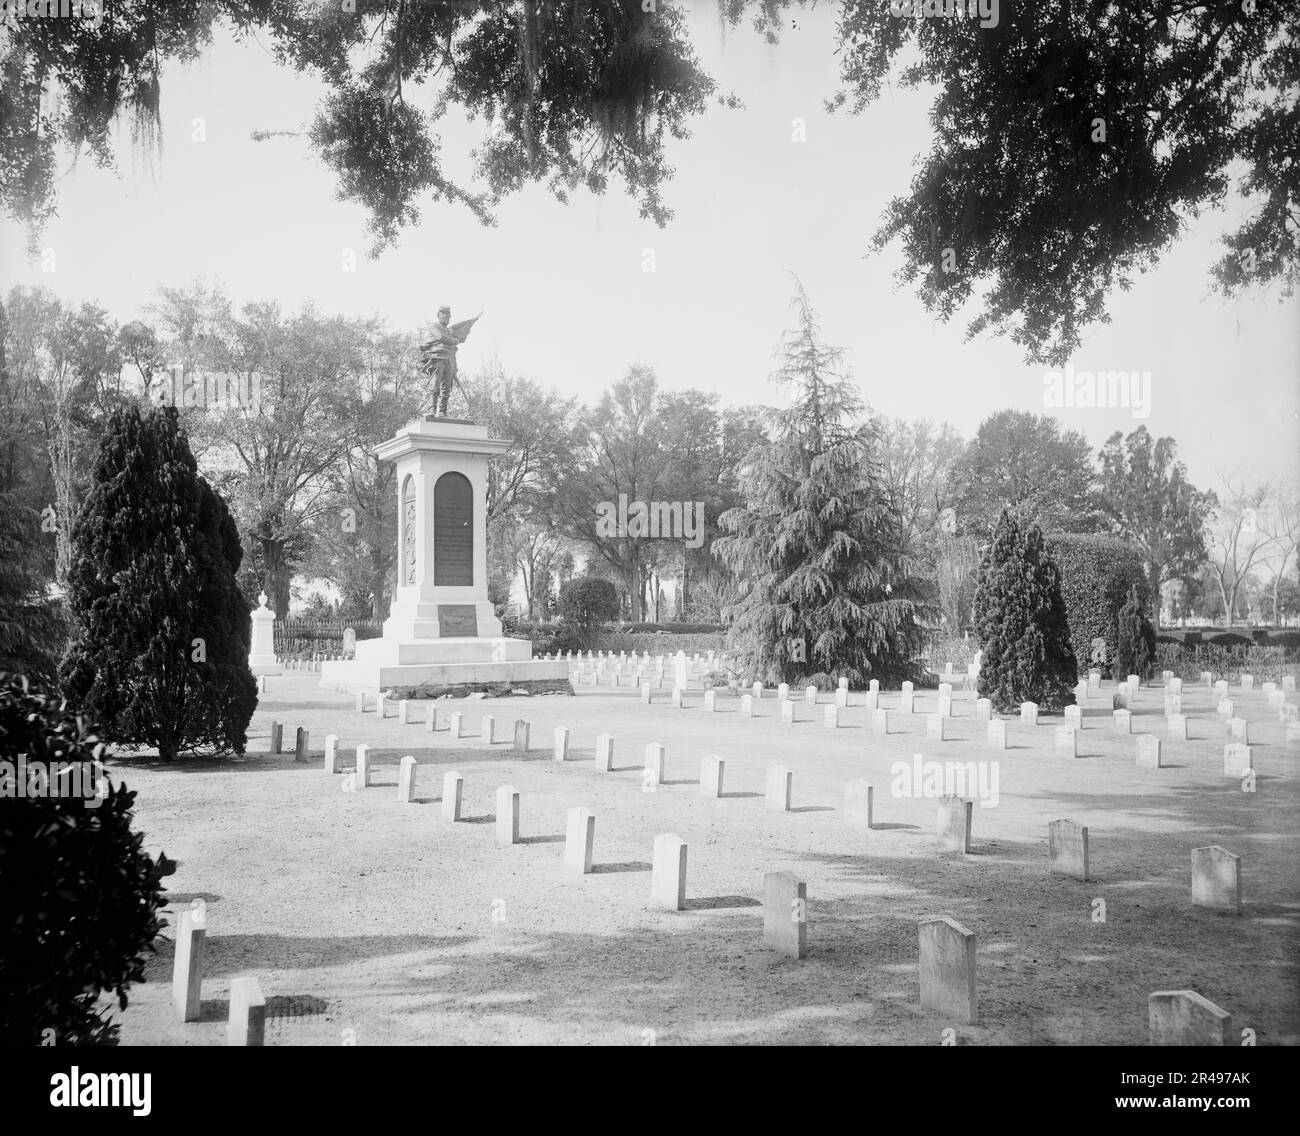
566,298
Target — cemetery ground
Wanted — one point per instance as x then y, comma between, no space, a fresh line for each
370,920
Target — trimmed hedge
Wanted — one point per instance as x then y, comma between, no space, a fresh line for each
558,638
1096,574
1267,664
523,627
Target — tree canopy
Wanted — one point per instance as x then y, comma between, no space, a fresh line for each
1072,143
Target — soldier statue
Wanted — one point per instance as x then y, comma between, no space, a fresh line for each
438,356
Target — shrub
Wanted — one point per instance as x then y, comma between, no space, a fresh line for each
1021,622
1097,573
1289,641
587,602
160,653
79,894
1267,664
564,637
1135,645
1231,639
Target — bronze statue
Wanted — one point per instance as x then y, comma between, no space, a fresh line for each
438,356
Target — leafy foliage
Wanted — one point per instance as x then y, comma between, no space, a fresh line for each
160,653
1025,463
31,628
1145,493
1097,574
570,94
587,602
1097,131
79,893
1021,623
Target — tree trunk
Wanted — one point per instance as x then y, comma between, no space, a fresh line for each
1153,579
634,585
1227,606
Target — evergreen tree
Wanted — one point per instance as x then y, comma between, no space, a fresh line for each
821,554
1135,647
1021,624
31,628
160,652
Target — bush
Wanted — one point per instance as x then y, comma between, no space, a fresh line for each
1231,639
78,893
598,640
530,630
160,653
1021,622
1135,646
1267,664
1097,573
587,602
1289,641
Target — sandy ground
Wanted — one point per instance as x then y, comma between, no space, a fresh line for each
371,921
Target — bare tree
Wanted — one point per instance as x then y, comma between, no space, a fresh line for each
1280,522
1235,541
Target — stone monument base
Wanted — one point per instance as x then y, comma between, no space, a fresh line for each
428,667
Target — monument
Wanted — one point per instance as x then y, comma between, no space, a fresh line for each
442,631
261,648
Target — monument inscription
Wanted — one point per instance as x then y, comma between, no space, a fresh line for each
457,621
453,531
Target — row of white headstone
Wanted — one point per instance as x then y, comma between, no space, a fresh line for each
947,950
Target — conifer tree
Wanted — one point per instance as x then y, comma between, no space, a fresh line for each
820,553
1021,624
160,650
1135,646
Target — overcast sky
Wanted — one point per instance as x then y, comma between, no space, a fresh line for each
568,304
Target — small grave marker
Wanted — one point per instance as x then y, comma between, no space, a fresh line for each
580,836
1216,879
507,821
453,793
1067,849
247,1022
668,872
948,969
954,819
1183,1017
711,771
1148,751
858,802
406,779
785,914
780,783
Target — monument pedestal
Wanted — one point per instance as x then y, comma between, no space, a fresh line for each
442,631
261,649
